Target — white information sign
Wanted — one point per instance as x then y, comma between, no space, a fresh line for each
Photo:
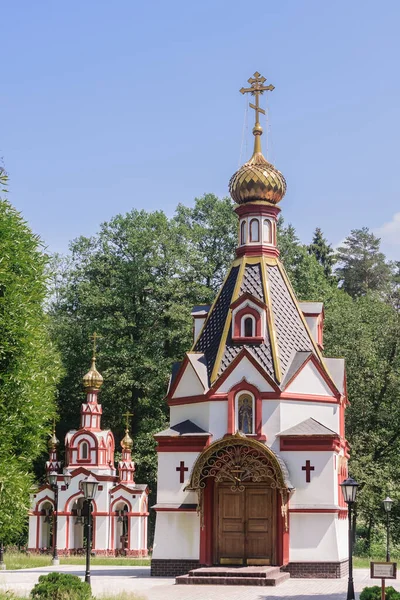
383,570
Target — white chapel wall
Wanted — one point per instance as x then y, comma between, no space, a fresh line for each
294,412
245,370
177,535
309,381
169,488
199,413
313,537
320,491
189,385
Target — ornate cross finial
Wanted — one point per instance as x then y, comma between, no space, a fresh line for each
94,338
256,88
127,415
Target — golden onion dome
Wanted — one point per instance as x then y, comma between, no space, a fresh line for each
93,378
53,441
257,179
127,441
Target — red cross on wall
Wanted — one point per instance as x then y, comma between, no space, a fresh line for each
308,468
182,470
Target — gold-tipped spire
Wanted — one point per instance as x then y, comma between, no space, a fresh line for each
257,180
93,379
127,441
53,442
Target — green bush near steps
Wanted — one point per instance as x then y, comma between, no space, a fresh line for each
61,586
375,593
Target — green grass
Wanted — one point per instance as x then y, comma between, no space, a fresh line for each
19,560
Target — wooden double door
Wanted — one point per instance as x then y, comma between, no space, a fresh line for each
245,525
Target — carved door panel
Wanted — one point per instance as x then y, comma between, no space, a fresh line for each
245,525
230,526
260,525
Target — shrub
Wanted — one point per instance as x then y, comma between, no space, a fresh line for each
61,586
374,593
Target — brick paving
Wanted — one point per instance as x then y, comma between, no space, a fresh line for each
112,580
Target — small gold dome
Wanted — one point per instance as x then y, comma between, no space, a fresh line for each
257,180
53,441
127,441
93,378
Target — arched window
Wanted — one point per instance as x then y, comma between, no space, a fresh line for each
248,326
84,451
243,236
267,231
254,231
245,413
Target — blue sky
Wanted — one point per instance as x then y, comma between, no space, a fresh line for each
108,106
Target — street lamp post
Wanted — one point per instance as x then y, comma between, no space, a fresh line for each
387,505
349,490
2,563
89,489
54,486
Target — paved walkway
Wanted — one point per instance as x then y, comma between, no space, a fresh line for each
112,580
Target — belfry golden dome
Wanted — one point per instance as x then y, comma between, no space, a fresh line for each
93,379
257,179
127,441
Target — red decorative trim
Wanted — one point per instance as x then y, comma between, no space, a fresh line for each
40,502
339,511
181,447
316,363
250,209
258,250
282,535
175,509
311,443
178,377
244,386
120,499
247,296
307,397
81,470
207,531
244,353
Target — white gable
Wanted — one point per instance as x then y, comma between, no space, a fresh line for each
189,384
309,381
245,370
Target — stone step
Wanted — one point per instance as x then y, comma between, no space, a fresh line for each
242,580
251,571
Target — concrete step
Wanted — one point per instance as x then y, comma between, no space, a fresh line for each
241,580
251,571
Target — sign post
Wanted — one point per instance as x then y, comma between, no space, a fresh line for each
383,571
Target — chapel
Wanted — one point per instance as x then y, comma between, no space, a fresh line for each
250,467
120,507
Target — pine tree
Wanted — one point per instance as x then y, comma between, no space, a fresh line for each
362,266
322,251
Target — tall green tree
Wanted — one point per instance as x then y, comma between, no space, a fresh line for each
29,365
362,267
322,251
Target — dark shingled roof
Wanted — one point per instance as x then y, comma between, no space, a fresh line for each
308,427
212,332
294,343
252,282
184,428
292,335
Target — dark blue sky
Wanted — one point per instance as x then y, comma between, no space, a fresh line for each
106,106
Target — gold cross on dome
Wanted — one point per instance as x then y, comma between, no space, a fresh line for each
256,88
94,338
127,415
